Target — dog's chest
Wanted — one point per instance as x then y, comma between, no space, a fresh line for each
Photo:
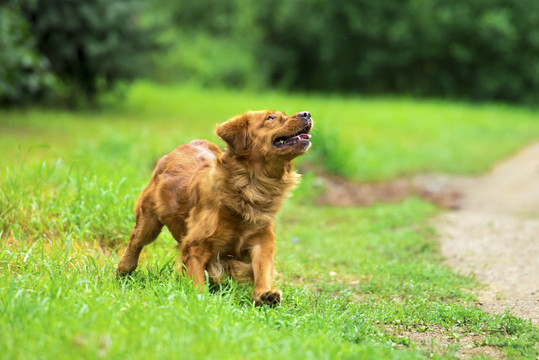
242,219
247,217
255,212
234,238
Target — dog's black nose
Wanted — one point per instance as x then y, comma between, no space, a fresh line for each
304,114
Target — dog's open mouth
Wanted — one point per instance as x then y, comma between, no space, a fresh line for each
291,140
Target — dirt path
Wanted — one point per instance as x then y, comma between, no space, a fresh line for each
493,231
495,234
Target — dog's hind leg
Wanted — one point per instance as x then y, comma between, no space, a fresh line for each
145,231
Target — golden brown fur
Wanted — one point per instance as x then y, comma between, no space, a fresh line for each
221,206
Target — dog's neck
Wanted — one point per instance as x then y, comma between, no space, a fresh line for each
257,166
258,189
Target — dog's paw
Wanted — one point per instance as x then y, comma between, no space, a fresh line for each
124,271
272,297
122,274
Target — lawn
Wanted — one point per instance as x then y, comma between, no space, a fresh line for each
354,279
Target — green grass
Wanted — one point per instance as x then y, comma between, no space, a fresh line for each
353,279
367,139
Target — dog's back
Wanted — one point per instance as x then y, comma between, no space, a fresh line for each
169,193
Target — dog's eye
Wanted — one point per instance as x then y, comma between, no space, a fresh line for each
271,117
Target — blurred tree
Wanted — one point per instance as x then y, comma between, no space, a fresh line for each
480,50
483,49
88,45
25,74
207,42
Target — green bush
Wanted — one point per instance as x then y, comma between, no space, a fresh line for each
209,60
89,46
208,42
479,50
25,74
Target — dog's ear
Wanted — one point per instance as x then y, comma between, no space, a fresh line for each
235,132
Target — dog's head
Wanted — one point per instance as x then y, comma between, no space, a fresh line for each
267,133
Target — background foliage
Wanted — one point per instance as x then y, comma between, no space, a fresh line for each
480,50
89,46
25,74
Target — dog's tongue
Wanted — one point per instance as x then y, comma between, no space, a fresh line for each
293,140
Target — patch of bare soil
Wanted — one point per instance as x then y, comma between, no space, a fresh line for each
492,233
495,234
343,192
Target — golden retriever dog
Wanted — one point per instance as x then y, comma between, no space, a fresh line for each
221,206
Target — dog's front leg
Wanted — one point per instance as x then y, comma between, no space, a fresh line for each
262,258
